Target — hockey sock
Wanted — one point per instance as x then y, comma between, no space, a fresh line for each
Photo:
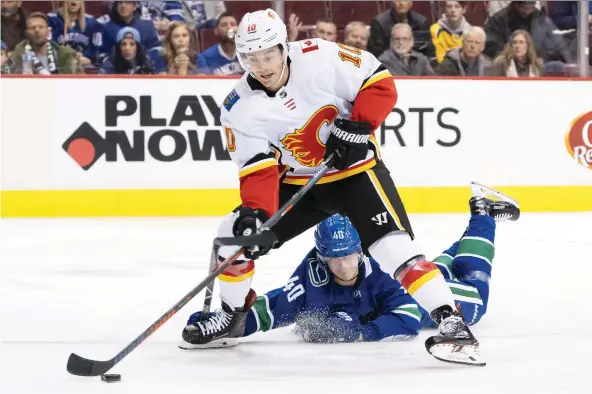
398,253
473,261
235,283
425,283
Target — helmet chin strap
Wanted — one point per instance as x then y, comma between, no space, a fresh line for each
283,71
348,280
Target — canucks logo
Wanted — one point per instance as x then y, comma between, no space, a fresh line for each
231,99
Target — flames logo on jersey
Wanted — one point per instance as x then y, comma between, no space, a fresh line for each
304,144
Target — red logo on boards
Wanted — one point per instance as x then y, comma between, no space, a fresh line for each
578,140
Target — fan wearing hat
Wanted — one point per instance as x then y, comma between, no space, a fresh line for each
128,56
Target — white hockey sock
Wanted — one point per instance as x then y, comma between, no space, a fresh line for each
422,279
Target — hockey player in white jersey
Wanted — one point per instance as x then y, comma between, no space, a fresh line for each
298,103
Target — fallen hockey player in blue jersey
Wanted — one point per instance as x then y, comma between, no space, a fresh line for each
337,294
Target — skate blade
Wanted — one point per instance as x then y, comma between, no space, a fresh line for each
217,344
479,189
457,354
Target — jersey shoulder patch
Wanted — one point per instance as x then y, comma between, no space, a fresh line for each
309,45
231,99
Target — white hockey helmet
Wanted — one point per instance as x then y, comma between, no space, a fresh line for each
258,31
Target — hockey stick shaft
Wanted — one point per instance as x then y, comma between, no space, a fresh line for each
268,224
84,367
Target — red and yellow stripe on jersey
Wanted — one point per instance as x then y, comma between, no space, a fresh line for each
259,183
238,272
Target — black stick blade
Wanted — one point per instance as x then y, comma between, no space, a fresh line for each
81,366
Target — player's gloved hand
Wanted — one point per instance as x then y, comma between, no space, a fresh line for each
349,140
247,222
337,327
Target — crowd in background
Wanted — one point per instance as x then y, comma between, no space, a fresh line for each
509,38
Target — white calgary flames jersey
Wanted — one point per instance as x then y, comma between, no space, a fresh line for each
292,127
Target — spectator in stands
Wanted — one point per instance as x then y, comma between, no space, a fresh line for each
4,69
400,58
71,26
448,32
519,58
39,55
179,58
126,14
14,23
128,56
523,15
498,5
220,59
400,12
161,13
325,29
203,14
468,60
356,35
294,24
565,14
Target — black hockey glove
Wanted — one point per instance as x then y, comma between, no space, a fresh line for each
248,222
349,141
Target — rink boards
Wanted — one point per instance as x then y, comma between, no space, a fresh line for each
155,147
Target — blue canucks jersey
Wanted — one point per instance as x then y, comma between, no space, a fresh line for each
384,307
159,10
87,42
213,61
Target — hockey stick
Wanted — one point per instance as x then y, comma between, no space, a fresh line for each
81,366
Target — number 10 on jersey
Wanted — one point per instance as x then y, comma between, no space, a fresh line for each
351,54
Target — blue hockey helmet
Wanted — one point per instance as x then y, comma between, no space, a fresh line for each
336,237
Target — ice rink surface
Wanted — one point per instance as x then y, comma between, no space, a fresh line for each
90,286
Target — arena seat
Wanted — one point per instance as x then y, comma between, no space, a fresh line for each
343,12
309,12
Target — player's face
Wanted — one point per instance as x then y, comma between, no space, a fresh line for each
345,268
454,11
357,37
180,37
128,48
267,65
73,6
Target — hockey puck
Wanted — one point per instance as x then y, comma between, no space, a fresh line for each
111,378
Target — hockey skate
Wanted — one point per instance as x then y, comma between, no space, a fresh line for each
221,328
454,342
501,209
